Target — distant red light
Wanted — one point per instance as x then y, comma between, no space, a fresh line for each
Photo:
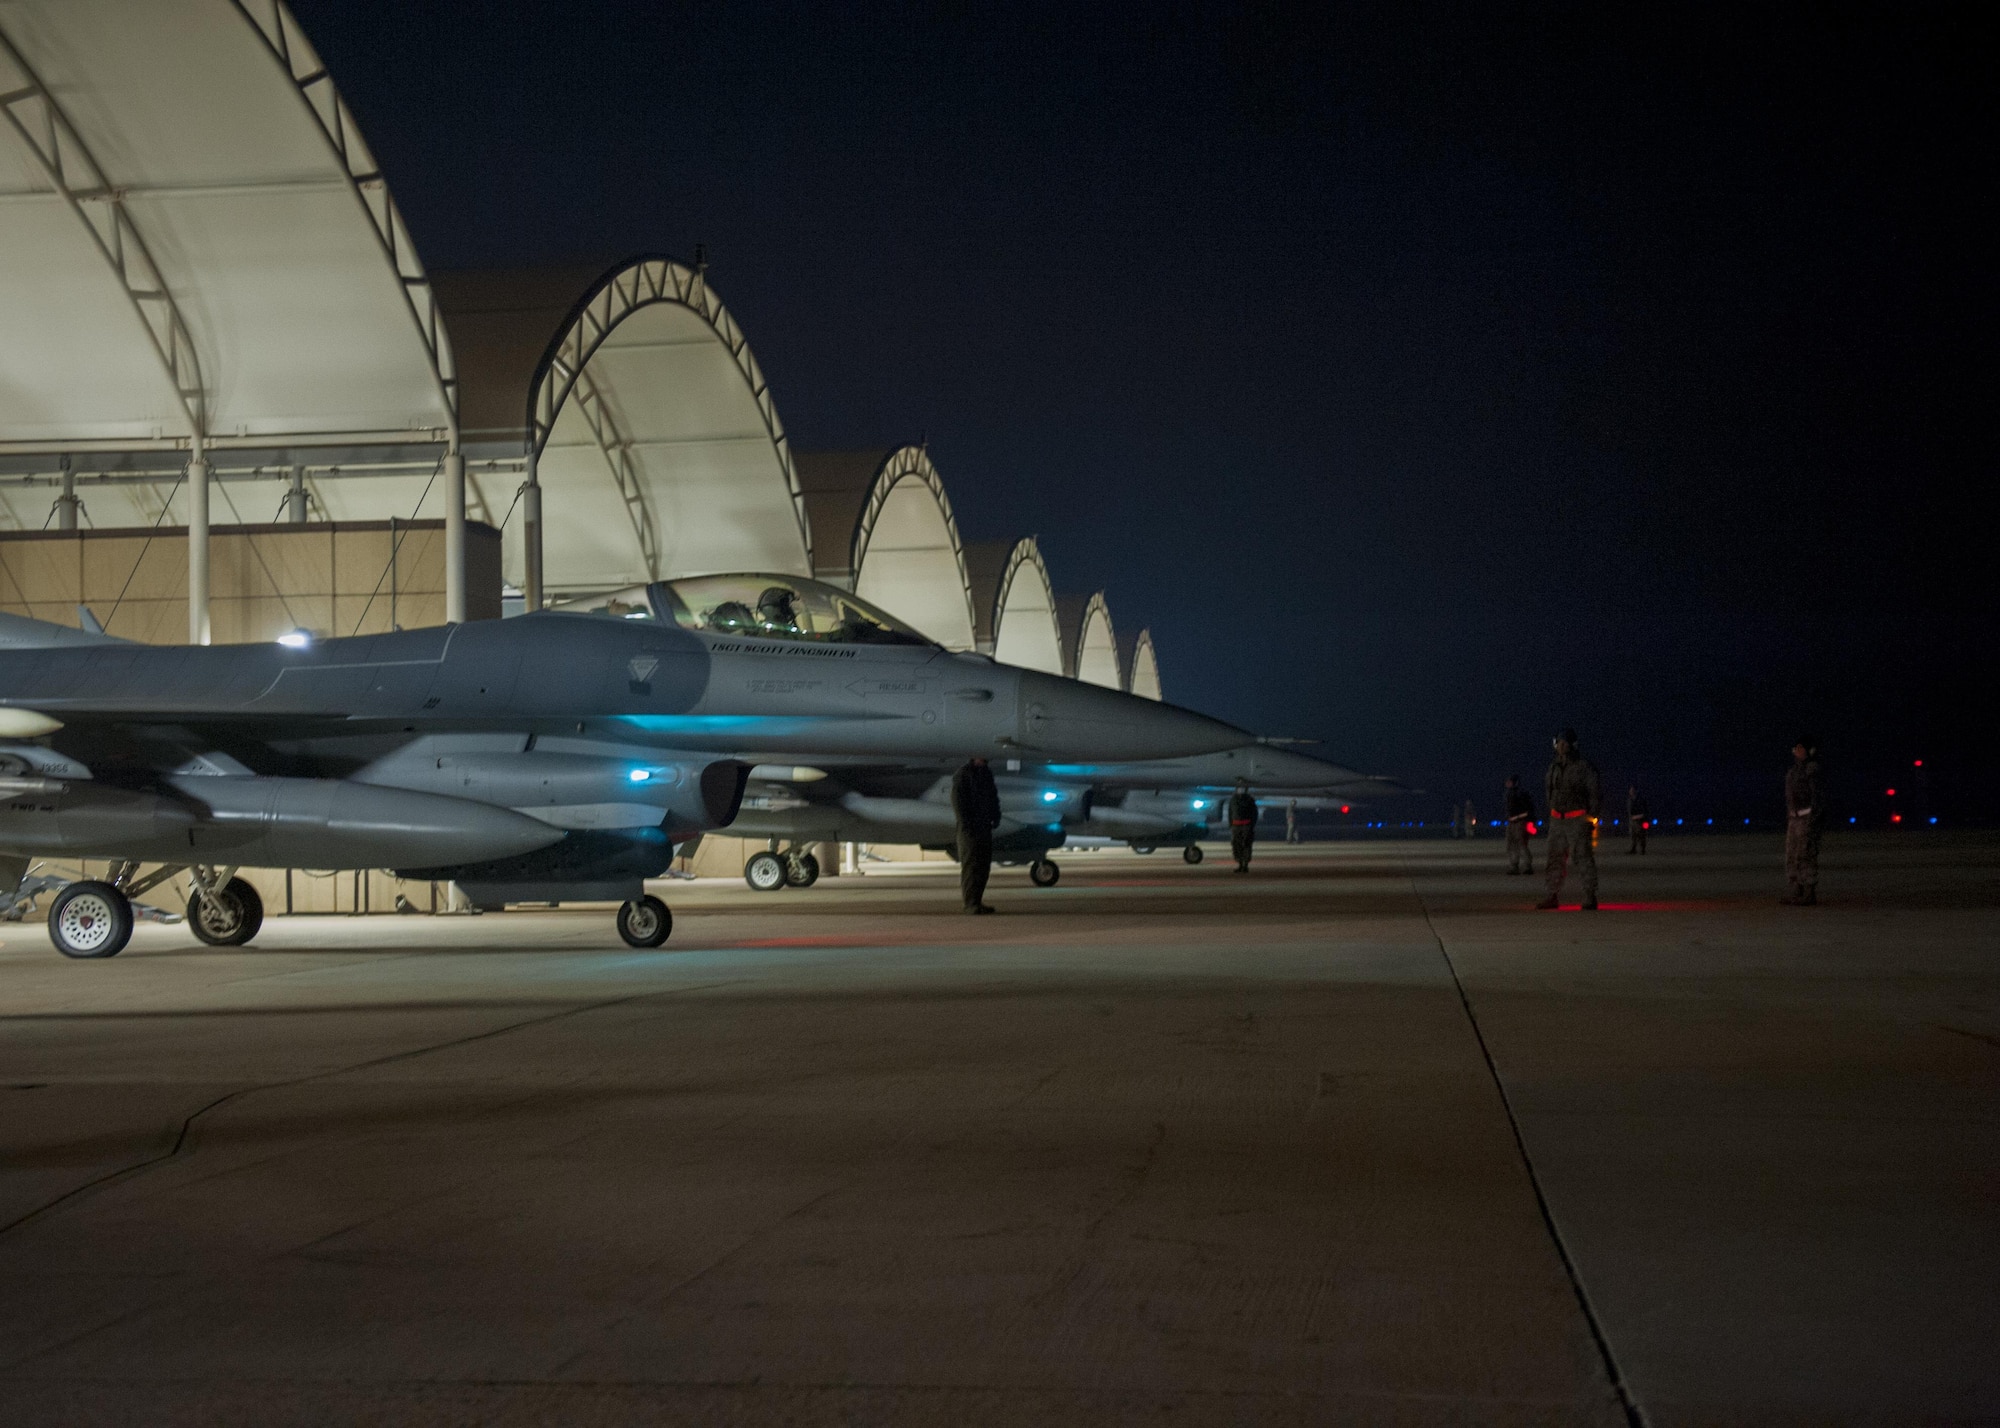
1919,763
1892,793
1345,809
1895,818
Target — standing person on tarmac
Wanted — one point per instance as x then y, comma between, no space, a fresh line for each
975,801
1574,796
1519,805
1804,805
1242,824
1292,820
1636,816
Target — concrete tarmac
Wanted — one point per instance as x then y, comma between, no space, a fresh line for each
1356,1139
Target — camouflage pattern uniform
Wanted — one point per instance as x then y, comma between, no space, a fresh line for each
1803,807
1520,809
1573,798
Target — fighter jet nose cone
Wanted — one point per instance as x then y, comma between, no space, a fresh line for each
1071,719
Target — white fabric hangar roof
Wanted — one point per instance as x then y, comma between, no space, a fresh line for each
193,232
1139,666
883,527
1090,646
660,449
1014,608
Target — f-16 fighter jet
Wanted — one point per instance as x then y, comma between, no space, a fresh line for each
555,757
1147,804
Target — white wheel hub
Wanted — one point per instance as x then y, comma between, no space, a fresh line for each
87,922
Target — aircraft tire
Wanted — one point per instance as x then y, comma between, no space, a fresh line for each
801,870
1143,848
765,872
645,922
90,920
1191,853
230,920
1043,873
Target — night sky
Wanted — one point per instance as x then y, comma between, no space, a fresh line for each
1426,378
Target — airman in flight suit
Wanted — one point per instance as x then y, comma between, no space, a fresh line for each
1574,798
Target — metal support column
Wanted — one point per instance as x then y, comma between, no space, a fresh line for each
454,537
295,499
197,482
67,503
531,536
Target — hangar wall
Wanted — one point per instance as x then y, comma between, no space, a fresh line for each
329,577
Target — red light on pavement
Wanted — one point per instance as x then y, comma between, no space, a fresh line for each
1895,818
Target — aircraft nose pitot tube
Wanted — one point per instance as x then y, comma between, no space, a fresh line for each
1067,718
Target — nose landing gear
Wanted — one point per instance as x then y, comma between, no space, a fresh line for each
1043,873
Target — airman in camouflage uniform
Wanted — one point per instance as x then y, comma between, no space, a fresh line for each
1803,807
1574,798
1242,825
1520,809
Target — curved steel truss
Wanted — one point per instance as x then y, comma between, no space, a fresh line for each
287,43
642,283
1026,552
594,404
75,174
905,463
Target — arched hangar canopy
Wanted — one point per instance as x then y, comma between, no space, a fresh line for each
194,238
1090,646
1139,666
660,452
1014,609
883,527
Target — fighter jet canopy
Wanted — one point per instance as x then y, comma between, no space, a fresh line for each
761,605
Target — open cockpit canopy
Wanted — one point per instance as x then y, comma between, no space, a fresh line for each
757,605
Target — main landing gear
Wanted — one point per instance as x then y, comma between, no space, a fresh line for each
223,911
92,919
772,871
645,922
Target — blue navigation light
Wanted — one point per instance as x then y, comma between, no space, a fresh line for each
1049,795
639,775
1933,820
1201,803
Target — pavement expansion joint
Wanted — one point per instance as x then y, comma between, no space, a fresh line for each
1634,1415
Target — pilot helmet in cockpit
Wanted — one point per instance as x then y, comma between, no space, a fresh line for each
777,608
